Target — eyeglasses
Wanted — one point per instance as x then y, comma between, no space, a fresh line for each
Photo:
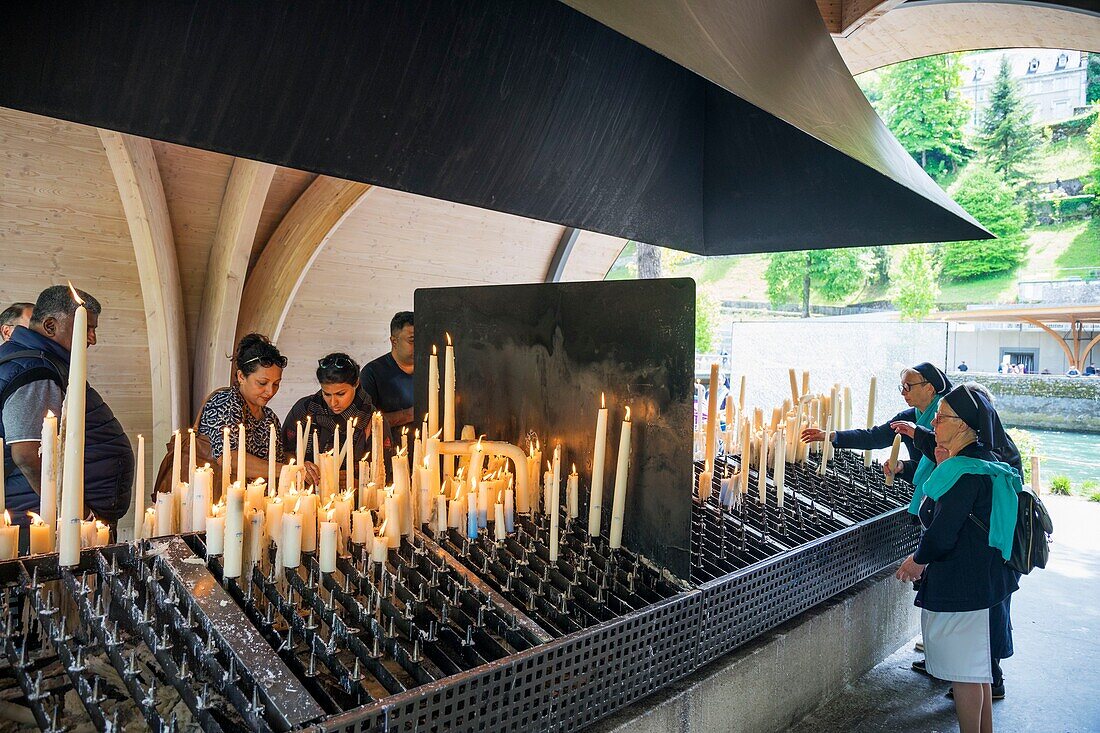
329,362
904,387
268,361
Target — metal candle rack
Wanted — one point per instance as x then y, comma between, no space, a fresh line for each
448,634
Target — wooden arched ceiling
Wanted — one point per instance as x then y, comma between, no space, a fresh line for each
917,29
62,217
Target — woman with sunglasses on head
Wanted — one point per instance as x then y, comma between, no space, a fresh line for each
256,376
968,509
922,387
339,399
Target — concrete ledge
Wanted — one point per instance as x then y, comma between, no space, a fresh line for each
774,681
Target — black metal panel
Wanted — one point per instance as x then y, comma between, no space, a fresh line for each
537,357
523,106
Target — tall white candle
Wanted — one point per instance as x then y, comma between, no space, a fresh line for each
139,495
215,534
433,393
349,458
555,503
234,531
571,495
242,470
165,505
449,402
599,458
307,508
762,472
291,545
794,385
847,408
618,506
893,459
870,416
299,448
746,455
712,418
378,449
191,455
202,496
177,458
227,459
72,492
271,449
780,469
1036,476
48,497
327,553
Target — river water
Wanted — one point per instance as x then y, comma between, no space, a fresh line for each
1076,455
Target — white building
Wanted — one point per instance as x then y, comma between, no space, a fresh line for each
1052,80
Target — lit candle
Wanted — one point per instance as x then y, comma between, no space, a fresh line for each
271,446
215,531
139,496
177,459
72,492
234,531
273,517
327,554
48,497
9,539
227,464
378,449
41,538
433,393
379,550
893,463
392,524
164,505
362,527
307,507
572,492
499,527
471,515
299,445
184,514
87,533
341,514
599,458
102,534
149,526
242,470
291,545
618,506
254,494
449,402
440,513
870,416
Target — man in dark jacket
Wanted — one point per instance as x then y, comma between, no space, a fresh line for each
34,368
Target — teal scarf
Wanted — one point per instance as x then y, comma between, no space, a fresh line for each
1006,484
925,466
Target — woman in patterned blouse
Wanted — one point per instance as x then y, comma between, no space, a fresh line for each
259,369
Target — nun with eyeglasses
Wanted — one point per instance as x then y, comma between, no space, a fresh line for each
922,387
967,506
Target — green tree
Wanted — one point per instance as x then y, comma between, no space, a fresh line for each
832,273
878,265
1093,140
986,196
1092,79
914,286
1007,139
706,322
922,106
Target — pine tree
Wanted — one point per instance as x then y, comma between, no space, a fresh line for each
923,107
915,288
986,197
1007,139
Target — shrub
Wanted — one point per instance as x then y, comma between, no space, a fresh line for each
986,197
1088,486
1060,485
1026,445
1094,496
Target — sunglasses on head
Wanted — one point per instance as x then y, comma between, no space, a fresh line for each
268,361
335,361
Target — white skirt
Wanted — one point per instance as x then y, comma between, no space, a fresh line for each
957,645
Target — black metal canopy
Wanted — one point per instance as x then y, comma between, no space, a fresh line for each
522,106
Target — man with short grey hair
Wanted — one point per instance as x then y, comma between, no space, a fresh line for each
34,374
16,314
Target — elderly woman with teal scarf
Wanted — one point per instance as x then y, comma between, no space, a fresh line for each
969,517
922,388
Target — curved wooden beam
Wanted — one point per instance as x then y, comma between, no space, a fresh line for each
1057,337
139,185
242,205
1085,353
293,247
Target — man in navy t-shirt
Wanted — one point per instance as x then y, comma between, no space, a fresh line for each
388,380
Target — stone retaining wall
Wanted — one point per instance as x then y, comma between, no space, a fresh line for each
1039,401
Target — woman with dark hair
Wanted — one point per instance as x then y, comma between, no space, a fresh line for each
258,371
969,518
339,399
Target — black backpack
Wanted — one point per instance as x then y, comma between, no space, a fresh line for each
1031,538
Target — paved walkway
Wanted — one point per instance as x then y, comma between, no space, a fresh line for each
1053,680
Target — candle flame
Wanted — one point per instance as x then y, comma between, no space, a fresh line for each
400,452
76,297
291,462
478,446
459,474
627,414
100,525
603,401
433,350
574,468
331,513
49,413
405,431
297,506
35,519
449,339
7,518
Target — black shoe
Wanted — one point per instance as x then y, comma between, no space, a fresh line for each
998,692
918,666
